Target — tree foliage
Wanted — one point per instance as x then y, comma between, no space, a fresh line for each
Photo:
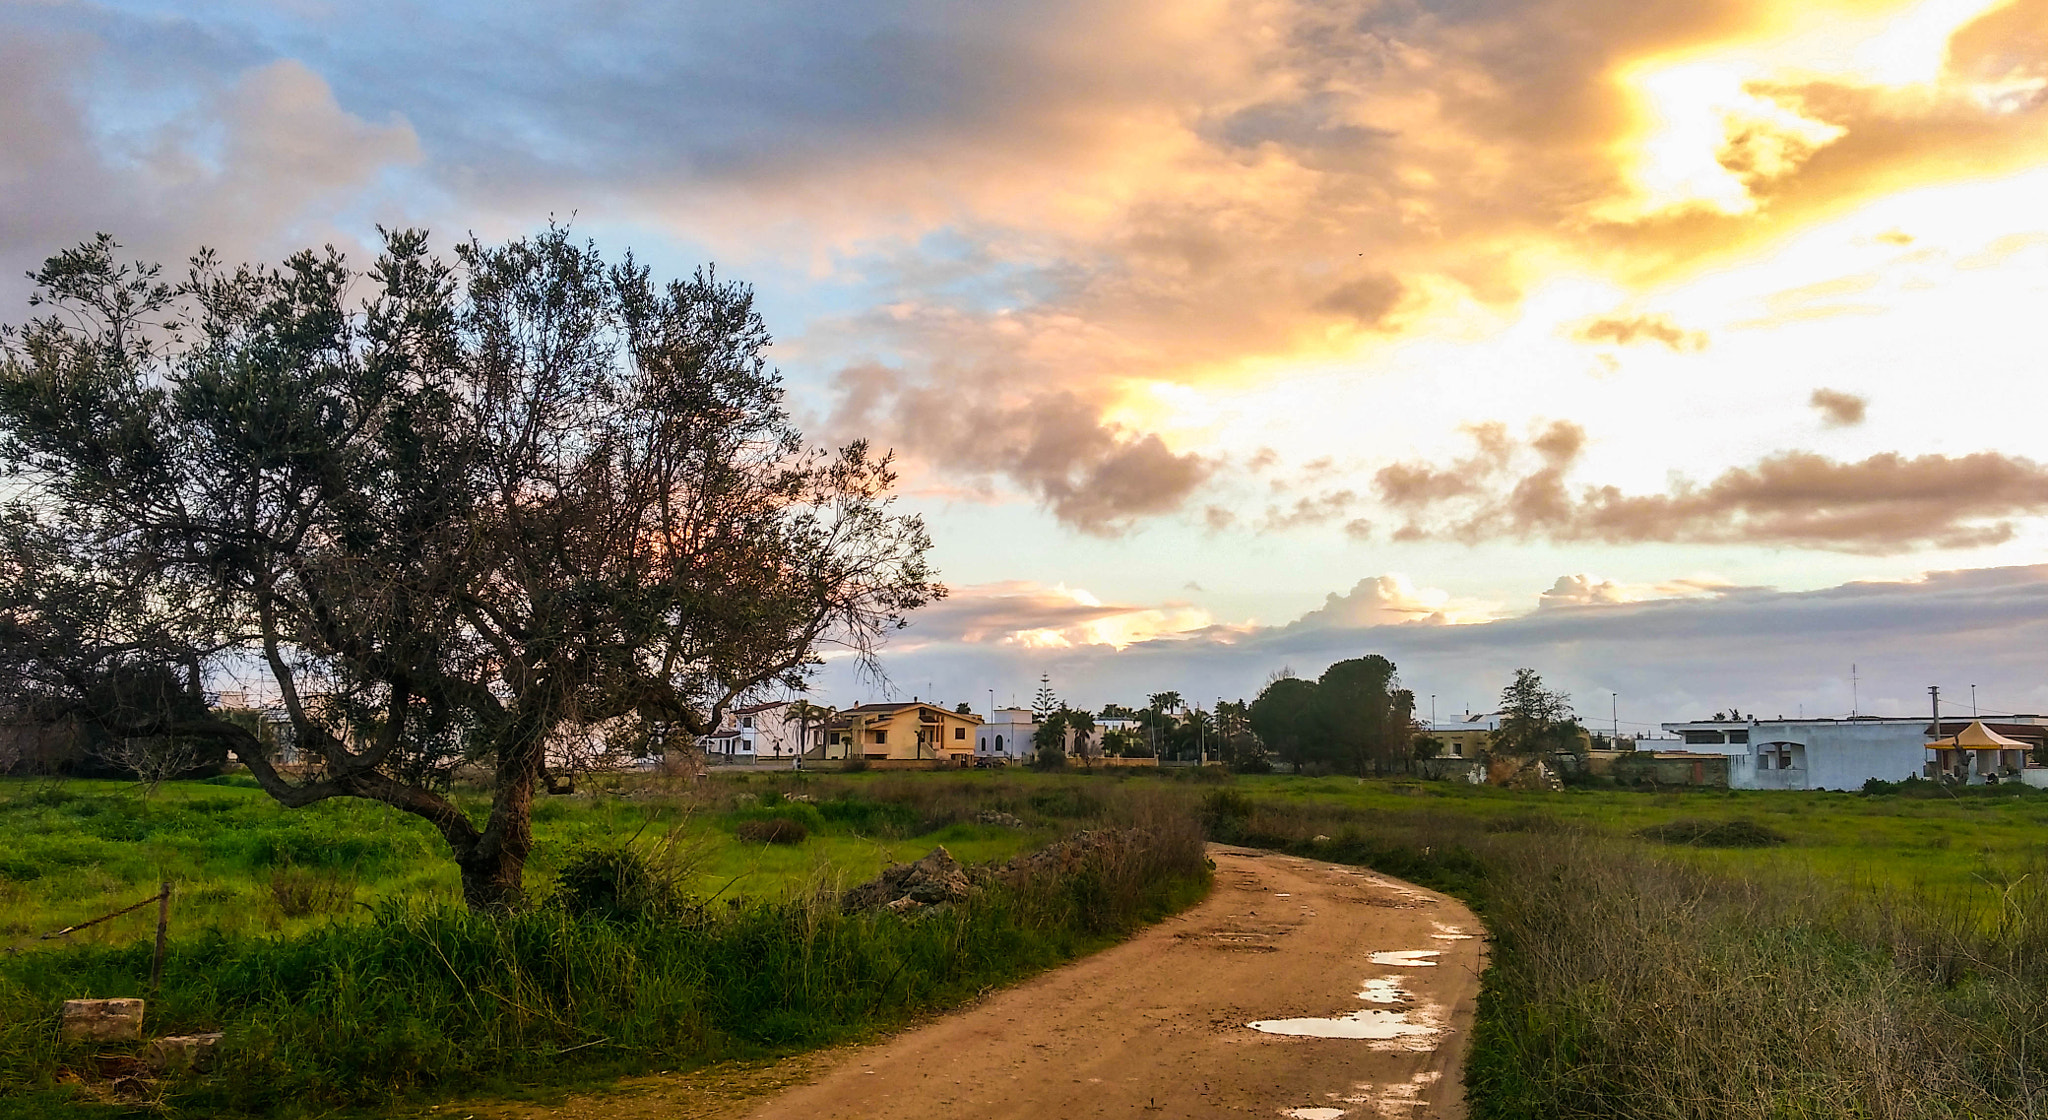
450,511
1534,719
1283,716
1355,718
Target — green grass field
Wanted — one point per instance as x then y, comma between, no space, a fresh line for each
240,864
1886,956
1975,843
331,946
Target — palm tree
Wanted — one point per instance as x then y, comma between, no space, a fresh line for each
1082,724
808,715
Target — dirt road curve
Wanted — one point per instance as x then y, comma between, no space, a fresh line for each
1297,989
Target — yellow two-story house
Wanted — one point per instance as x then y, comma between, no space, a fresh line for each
899,732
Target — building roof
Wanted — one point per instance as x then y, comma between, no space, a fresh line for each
895,709
751,709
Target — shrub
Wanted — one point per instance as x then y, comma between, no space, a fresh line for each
863,817
773,830
1067,801
620,884
1739,833
1224,810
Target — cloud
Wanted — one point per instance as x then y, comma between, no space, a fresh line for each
1317,509
1887,503
1628,330
1668,658
255,162
1027,214
1369,299
1839,409
1034,616
1094,475
1584,590
1389,600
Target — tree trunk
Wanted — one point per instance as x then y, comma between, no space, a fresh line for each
493,869
493,878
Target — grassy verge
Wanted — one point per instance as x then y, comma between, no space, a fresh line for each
1632,978
408,996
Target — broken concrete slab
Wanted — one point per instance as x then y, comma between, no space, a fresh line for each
184,1053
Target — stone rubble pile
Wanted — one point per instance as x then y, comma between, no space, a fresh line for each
905,887
938,878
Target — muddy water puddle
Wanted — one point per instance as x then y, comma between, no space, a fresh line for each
1407,958
1378,1024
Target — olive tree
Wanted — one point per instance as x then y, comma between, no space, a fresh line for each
451,510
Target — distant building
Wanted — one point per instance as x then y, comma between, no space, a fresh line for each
1834,753
899,732
1463,738
1007,734
758,732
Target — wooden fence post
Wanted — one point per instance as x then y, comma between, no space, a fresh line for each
163,922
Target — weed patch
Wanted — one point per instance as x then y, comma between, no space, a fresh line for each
1714,834
773,830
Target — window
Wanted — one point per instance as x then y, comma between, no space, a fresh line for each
1696,737
880,736
1739,736
959,733
999,742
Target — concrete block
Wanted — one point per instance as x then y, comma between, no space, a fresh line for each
102,1020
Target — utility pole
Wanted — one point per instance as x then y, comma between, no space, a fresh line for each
1852,690
1614,714
1973,701
1934,693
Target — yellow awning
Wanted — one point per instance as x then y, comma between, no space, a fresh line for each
1977,737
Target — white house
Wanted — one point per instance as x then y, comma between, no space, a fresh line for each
1812,753
1007,734
758,732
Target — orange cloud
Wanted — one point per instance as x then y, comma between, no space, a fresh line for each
1886,503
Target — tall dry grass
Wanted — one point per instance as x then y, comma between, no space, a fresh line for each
1627,984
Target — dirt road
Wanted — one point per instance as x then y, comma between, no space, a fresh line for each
1297,989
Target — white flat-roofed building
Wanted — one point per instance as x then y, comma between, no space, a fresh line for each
1811,753
1007,734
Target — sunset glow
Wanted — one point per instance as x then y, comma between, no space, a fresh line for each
1225,312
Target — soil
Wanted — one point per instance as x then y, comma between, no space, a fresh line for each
1361,987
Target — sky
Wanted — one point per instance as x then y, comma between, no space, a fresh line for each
1688,353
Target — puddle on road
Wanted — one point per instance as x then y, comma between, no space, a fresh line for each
1396,1100
1373,1023
1449,933
1386,989
1314,1113
1406,958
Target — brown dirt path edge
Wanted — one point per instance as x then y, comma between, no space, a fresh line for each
1158,1025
